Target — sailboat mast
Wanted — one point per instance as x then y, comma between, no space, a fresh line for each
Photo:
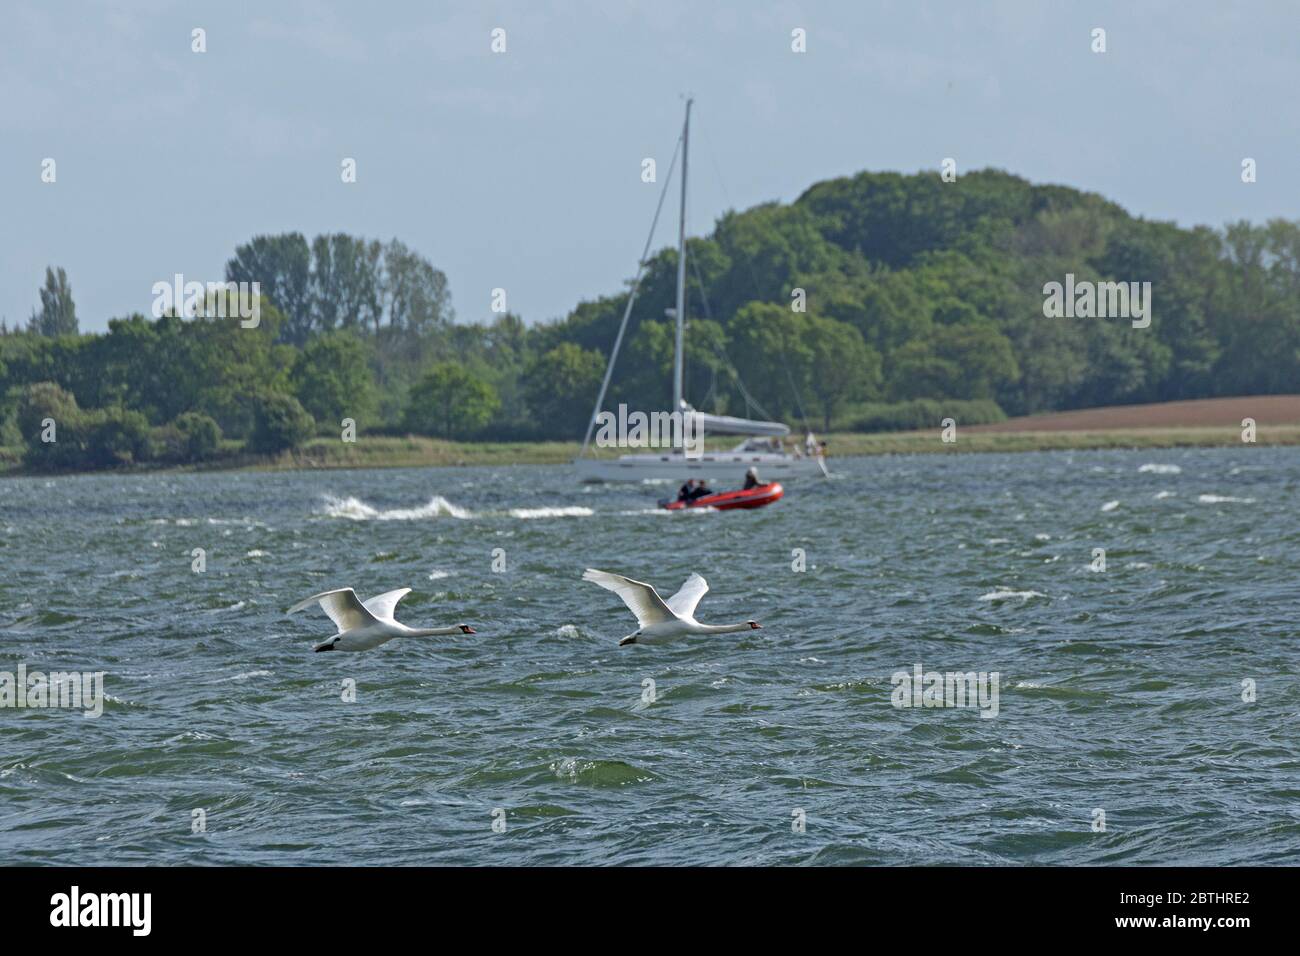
681,270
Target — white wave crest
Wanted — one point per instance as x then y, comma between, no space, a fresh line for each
573,511
1004,594
354,509
1157,469
1223,499
247,675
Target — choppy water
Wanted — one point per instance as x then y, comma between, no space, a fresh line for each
1119,690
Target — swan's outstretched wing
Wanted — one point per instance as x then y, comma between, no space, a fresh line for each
383,605
687,598
641,599
343,607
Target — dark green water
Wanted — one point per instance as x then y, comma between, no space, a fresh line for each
1119,690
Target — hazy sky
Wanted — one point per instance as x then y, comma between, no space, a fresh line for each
522,170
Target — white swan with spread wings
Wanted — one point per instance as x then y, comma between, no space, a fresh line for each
363,626
659,620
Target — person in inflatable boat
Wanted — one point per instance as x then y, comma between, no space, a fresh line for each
694,488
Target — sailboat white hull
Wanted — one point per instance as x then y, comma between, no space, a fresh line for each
720,467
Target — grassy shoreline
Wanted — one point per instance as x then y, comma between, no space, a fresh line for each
386,451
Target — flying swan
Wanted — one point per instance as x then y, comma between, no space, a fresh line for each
659,620
364,626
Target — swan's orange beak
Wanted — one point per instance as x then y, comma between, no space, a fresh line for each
755,626
466,629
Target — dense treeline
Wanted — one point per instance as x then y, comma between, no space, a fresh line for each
862,304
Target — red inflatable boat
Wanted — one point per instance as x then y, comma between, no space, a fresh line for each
755,497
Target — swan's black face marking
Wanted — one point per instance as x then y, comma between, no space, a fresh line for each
466,629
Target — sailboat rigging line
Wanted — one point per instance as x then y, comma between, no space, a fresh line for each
721,352
798,399
631,298
749,399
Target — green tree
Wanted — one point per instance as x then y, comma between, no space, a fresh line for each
982,356
561,386
917,372
331,377
58,313
450,402
281,265
845,369
51,425
200,435
115,436
229,364
58,434
416,293
773,350
347,282
280,423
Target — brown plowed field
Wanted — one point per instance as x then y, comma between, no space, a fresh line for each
1200,413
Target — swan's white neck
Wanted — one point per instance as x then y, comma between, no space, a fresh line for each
432,631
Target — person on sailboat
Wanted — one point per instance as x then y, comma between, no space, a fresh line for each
751,479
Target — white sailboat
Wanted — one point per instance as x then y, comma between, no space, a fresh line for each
762,447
